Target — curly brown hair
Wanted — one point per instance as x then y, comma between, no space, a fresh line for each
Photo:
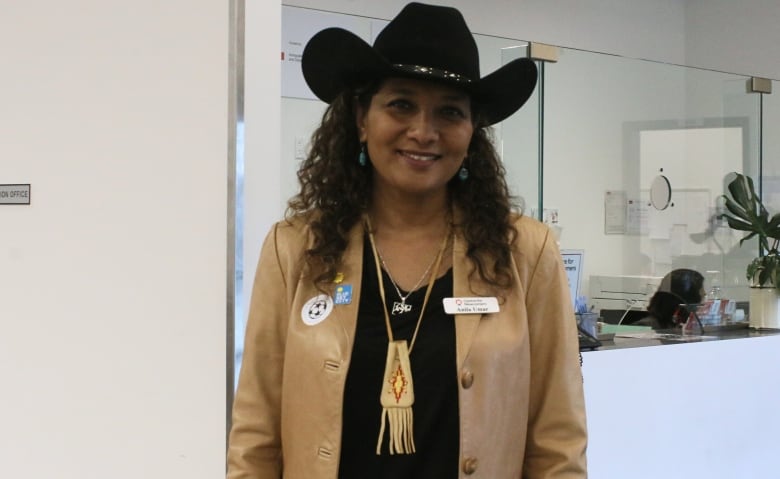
335,191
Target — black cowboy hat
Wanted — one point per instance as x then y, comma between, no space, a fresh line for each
422,41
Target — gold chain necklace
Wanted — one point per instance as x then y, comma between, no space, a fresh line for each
397,394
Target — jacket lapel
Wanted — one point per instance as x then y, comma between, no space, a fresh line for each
351,268
463,286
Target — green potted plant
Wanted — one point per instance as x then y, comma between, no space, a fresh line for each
747,213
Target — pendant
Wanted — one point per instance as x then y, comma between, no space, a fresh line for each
397,398
400,308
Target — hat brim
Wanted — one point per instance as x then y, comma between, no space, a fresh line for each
503,92
335,59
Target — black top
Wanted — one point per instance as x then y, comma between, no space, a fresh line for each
434,371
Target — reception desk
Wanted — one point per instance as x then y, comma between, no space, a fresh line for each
703,409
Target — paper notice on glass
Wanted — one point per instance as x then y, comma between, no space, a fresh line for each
615,212
636,217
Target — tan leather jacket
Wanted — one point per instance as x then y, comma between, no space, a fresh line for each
522,412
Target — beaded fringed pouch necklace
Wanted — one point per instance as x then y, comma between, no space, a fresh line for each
397,396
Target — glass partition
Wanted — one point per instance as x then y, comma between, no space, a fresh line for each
587,155
614,127
518,138
770,150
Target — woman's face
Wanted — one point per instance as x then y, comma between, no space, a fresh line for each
417,134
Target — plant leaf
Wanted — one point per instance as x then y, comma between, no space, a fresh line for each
748,213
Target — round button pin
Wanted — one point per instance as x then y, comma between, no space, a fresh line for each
316,309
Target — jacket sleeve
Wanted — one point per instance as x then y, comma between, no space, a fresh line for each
254,448
557,434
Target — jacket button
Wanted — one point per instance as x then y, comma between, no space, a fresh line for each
470,465
466,379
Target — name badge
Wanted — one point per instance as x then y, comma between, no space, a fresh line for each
470,305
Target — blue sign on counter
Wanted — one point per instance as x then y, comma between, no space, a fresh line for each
572,263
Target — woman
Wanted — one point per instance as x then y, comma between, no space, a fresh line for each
679,288
404,322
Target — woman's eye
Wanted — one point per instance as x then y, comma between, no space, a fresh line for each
400,104
453,112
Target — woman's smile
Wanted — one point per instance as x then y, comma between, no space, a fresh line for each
419,157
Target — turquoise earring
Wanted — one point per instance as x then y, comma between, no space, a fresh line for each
463,174
362,157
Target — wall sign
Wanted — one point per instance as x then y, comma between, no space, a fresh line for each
15,194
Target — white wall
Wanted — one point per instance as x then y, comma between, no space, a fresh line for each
112,282
733,36
265,170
